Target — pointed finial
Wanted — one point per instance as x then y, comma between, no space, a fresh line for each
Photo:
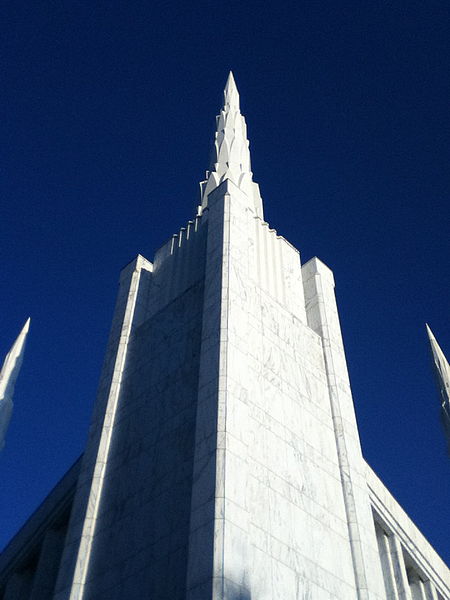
8,377
442,370
438,355
231,156
26,327
230,93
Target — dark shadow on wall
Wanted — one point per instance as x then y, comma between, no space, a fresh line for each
242,594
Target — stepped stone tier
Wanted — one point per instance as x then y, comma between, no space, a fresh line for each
442,372
223,460
8,377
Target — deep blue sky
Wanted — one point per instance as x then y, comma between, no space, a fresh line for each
107,112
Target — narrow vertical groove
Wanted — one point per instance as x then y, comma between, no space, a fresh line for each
430,590
349,502
281,267
223,366
258,250
275,264
265,280
386,564
398,562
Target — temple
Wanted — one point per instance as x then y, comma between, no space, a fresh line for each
223,460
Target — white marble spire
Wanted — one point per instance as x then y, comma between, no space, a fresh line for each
442,369
8,376
230,155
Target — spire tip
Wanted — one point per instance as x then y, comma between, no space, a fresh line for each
430,333
231,94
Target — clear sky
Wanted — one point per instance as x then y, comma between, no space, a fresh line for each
107,115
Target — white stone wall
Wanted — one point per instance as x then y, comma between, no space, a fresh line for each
323,318
79,543
267,486
130,522
224,460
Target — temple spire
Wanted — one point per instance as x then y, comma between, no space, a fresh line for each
442,369
8,376
230,93
230,155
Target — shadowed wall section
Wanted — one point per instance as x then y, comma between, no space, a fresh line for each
143,524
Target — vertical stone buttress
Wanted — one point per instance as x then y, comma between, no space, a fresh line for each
219,396
82,527
323,318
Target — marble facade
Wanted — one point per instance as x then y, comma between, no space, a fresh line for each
223,460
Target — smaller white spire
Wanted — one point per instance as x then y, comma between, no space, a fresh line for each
440,361
8,377
231,155
442,369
